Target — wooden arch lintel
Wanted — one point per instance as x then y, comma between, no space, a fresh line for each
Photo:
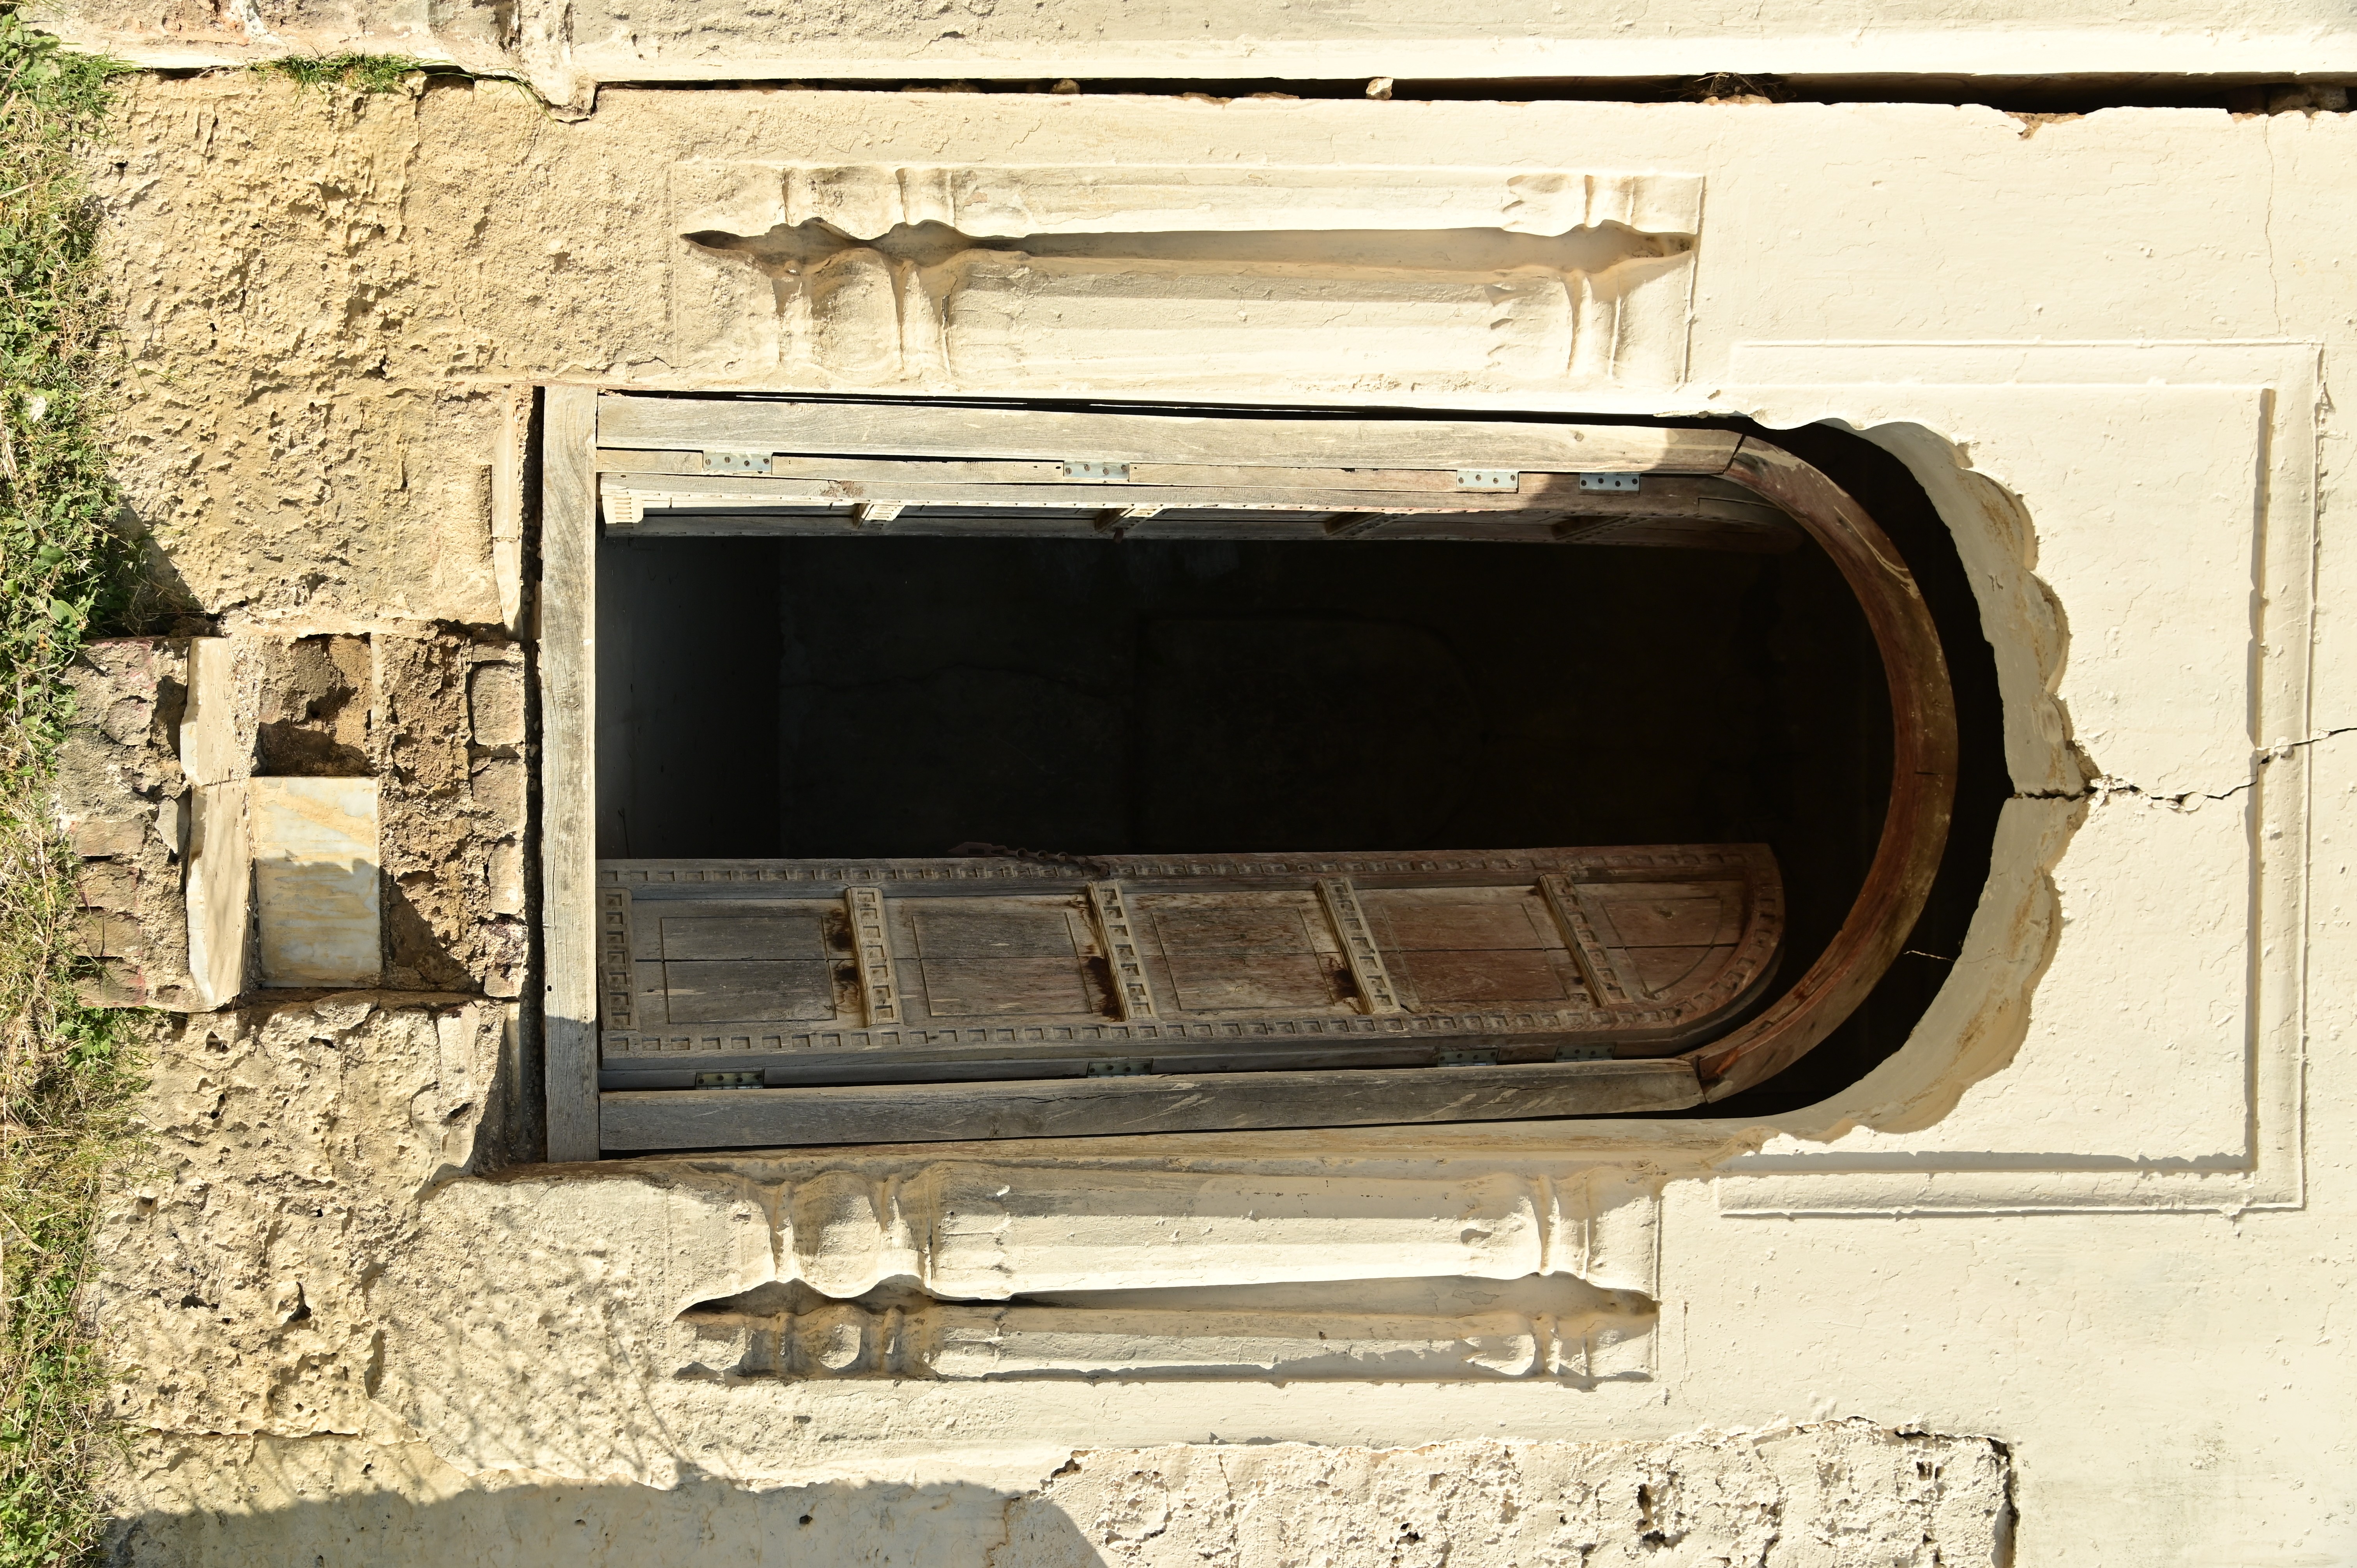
1922,777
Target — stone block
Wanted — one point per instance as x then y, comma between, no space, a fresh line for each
507,892
130,689
219,907
115,982
108,885
119,796
316,696
316,896
495,704
99,837
215,746
109,937
499,790
438,835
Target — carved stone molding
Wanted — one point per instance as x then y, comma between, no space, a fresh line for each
867,202
632,1297
990,1232
881,276
979,1270
1544,1326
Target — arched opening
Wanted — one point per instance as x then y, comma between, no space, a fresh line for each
1077,686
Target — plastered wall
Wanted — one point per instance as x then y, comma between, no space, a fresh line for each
2089,1224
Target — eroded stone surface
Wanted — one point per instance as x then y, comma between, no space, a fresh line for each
453,807
120,798
293,1145
1836,1493
573,1292
1830,1495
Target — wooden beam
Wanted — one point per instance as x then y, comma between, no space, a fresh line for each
634,499
705,491
568,784
945,471
646,1121
944,430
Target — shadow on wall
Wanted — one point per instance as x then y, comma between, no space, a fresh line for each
523,1523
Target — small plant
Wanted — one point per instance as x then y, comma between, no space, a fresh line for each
66,1076
354,73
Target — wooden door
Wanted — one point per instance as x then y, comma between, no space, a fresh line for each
779,971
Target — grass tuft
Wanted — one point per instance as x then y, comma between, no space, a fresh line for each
355,74
67,1073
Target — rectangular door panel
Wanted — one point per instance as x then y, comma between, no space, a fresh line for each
1478,976
749,990
1019,987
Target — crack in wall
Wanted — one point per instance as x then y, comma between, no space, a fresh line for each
2103,787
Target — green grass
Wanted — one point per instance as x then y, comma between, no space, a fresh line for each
66,1077
356,73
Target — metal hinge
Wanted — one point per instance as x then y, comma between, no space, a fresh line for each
1118,472
729,1081
1584,1054
735,462
1620,483
1465,1059
1488,478
1118,520
1119,1067
624,508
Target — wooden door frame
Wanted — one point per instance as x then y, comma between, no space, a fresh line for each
1899,880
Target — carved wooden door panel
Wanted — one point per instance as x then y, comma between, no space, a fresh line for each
781,973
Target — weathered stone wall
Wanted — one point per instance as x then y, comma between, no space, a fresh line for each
437,719
122,801
292,1148
2104,1192
1829,1493
449,753
1824,1495
293,1290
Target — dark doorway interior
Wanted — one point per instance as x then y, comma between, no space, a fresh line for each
900,696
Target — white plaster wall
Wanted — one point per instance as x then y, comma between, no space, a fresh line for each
2097,1210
